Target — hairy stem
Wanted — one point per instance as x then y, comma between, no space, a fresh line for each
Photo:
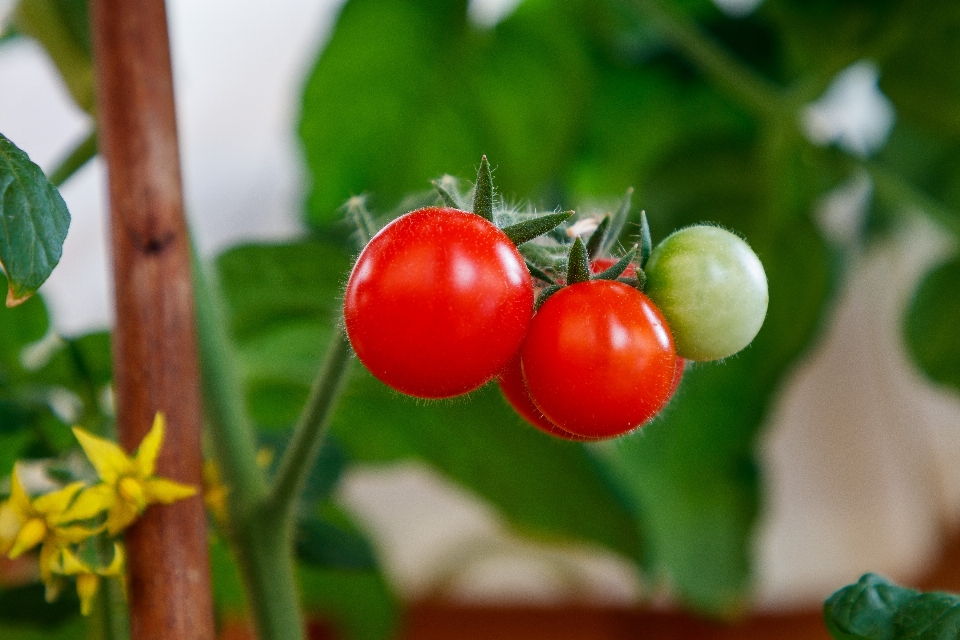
311,428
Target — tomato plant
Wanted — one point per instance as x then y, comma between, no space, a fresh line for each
438,302
711,288
598,359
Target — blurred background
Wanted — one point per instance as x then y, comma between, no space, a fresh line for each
826,132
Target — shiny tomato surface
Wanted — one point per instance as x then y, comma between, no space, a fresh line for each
437,303
598,359
515,391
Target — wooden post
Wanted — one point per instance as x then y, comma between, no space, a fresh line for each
155,361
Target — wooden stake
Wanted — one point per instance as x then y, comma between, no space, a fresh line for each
155,362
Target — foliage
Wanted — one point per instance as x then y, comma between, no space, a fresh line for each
876,609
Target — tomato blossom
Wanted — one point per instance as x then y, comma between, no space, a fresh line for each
66,563
128,484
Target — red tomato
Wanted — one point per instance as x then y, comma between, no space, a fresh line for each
437,303
598,359
515,391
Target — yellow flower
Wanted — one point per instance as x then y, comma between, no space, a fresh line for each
128,484
46,521
88,578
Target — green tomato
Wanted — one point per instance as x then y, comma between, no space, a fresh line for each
711,288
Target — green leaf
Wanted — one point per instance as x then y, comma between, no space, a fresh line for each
876,609
407,90
535,227
26,605
325,545
34,223
62,27
358,603
931,325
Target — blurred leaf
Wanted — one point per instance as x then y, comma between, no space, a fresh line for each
876,609
932,325
325,545
62,27
921,74
26,605
359,603
35,221
408,90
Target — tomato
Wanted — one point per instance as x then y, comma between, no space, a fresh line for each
437,303
598,359
515,391
711,288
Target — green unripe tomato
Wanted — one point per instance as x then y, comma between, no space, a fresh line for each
711,288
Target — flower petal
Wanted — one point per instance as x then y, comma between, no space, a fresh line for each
76,533
166,491
121,516
91,501
116,565
146,458
70,564
107,457
18,497
54,504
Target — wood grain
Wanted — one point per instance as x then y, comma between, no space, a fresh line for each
155,362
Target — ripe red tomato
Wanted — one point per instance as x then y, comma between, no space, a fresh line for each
437,303
515,391
598,359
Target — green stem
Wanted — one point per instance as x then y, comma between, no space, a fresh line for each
263,547
311,428
81,155
108,620
717,63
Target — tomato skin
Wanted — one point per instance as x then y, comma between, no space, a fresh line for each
598,359
437,303
514,390
711,288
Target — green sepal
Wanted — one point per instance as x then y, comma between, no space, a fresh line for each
539,274
483,195
578,265
646,241
596,240
360,218
529,229
617,222
546,293
613,273
445,196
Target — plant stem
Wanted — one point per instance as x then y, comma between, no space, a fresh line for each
81,155
718,64
311,428
108,620
263,544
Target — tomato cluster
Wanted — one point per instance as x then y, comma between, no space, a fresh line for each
441,301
